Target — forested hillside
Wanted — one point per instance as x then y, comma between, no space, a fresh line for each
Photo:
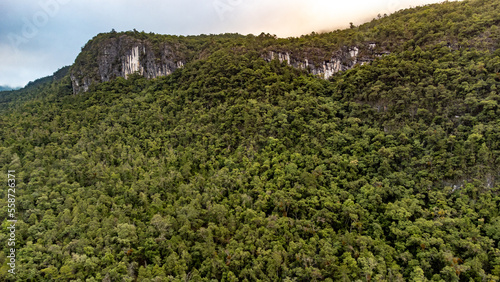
234,168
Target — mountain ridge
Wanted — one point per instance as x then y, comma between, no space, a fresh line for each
111,55
123,54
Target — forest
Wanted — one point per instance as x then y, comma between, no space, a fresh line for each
237,169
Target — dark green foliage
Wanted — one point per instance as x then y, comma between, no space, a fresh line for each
235,169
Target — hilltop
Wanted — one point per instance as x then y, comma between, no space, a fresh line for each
455,25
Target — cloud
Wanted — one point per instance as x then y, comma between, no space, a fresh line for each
11,59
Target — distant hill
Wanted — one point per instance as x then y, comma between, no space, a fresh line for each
33,90
8,88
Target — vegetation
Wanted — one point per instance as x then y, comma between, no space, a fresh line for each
236,169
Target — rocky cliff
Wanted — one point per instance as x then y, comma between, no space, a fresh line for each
336,60
106,59
109,56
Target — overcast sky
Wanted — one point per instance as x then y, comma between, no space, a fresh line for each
38,37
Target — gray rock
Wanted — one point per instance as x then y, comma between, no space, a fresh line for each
121,57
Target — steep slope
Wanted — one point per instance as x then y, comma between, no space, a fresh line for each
237,168
113,55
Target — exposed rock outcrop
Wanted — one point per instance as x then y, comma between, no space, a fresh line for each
107,57
122,56
337,61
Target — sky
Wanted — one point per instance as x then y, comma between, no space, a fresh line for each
37,37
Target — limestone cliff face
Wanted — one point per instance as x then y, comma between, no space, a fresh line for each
109,58
336,61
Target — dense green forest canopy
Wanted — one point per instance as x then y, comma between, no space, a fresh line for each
238,169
